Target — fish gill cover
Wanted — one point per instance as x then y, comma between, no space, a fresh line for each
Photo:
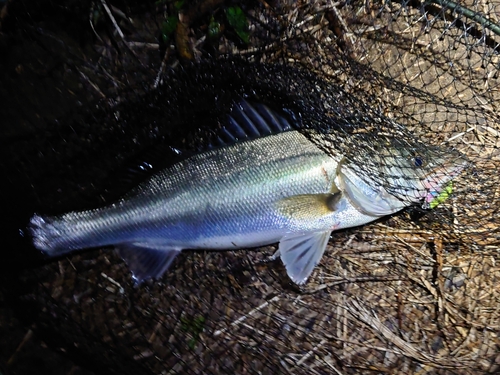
416,292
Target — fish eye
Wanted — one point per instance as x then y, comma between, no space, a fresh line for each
418,161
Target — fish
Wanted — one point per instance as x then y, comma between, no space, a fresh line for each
262,182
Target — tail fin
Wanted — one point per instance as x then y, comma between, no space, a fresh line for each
42,232
47,234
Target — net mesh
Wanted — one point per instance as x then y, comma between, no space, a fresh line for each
416,292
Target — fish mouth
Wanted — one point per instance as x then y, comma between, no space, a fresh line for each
437,180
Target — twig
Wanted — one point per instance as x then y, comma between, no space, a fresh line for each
311,352
250,313
94,86
112,18
27,337
121,290
92,26
359,279
154,46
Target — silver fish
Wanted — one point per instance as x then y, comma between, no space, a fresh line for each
279,187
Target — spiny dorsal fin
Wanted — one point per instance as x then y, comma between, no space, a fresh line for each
249,120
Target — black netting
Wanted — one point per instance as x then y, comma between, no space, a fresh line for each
90,87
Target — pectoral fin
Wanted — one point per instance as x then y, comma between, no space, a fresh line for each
146,260
309,206
301,253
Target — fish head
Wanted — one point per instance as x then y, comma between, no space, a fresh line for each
386,176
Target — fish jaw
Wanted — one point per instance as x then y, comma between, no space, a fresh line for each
437,181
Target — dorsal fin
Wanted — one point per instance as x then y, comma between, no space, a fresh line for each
249,120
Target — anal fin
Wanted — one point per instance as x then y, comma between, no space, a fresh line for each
147,260
300,253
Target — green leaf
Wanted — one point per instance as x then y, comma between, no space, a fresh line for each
192,343
214,29
178,5
199,322
238,21
168,27
193,327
